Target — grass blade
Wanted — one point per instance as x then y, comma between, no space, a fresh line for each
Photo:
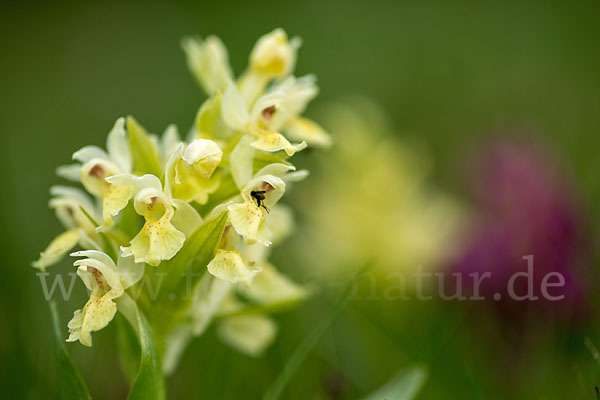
311,340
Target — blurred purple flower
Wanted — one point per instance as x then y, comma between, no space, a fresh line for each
523,206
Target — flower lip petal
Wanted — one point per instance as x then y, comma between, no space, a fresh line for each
229,265
249,221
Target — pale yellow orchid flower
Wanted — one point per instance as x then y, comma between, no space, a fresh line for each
228,263
258,121
106,282
274,55
258,195
96,165
159,239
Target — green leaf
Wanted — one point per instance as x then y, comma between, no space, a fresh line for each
311,340
149,383
129,348
143,150
71,385
405,385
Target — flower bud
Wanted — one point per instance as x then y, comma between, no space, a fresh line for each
273,54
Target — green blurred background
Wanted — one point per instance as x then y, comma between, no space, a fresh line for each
446,72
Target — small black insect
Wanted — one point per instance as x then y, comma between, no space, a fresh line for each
259,196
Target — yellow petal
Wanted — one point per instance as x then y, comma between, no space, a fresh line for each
281,222
203,156
295,95
307,130
68,203
57,249
188,171
118,146
209,62
100,267
114,199
156,241
240,161
195,189
249,220
94,173
70,172
233,109
251,85
249,334
129,271
273,54
228,265
272,187
88,153
270,286
95,315
274,141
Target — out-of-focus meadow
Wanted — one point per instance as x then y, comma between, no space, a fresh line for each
466,137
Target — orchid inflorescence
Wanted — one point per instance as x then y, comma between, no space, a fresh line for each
161,207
